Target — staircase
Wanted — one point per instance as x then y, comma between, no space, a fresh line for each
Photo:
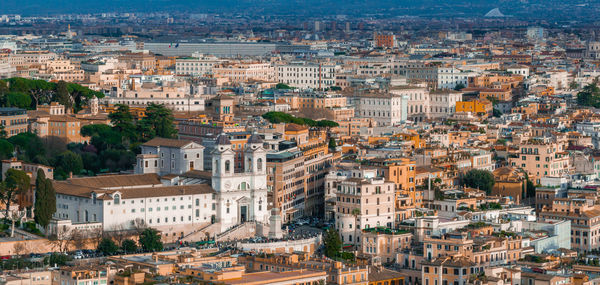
200,234
241,231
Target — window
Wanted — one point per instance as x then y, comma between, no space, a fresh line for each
227,165
117,199
259,164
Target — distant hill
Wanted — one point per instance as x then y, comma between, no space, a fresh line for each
541,9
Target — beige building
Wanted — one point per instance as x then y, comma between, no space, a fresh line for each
13,120
245,71
541,158
385,243
362,204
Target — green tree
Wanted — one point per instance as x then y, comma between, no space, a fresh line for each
28,145
333,243
17,99
332,144
150,240
480,179
589,96
107,246
45,199
496,113
70,162
282,86
573,85
160,119
122,122
62,95
6,149
129,246
15,182
459,87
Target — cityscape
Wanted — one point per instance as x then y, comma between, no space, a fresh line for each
289,142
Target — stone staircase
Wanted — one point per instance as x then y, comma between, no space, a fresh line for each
241,231
201,233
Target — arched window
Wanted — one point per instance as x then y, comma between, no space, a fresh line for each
259,164
216,166
249,165
242,186
117,199
227,166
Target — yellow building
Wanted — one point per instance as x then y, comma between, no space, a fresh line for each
480,107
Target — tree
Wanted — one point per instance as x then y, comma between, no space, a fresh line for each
282,86
107,246
333,243
28,145
122,122
45,199
16,182
480,179
573,85
6,149
62,95
70,162
332,144
589,96
496,113
459,87
160,119
150,240
17,99
129,246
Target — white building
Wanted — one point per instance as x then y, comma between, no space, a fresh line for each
386,109
450,77
176,205
241,196
418,101
363,203
442,103
519,70
169,156
127,201
197,65
307,75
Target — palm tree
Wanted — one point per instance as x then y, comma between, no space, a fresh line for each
355,213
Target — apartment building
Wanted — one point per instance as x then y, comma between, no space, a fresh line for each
197,65
447,270
245,71
80,274
402,172
443,103
142,90
451,77
541,157
337,272
418,107
584,217
385,109
286,181
306,74
66,128
13,120
363,203
385,243
27,58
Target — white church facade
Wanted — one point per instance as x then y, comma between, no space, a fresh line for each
176,204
